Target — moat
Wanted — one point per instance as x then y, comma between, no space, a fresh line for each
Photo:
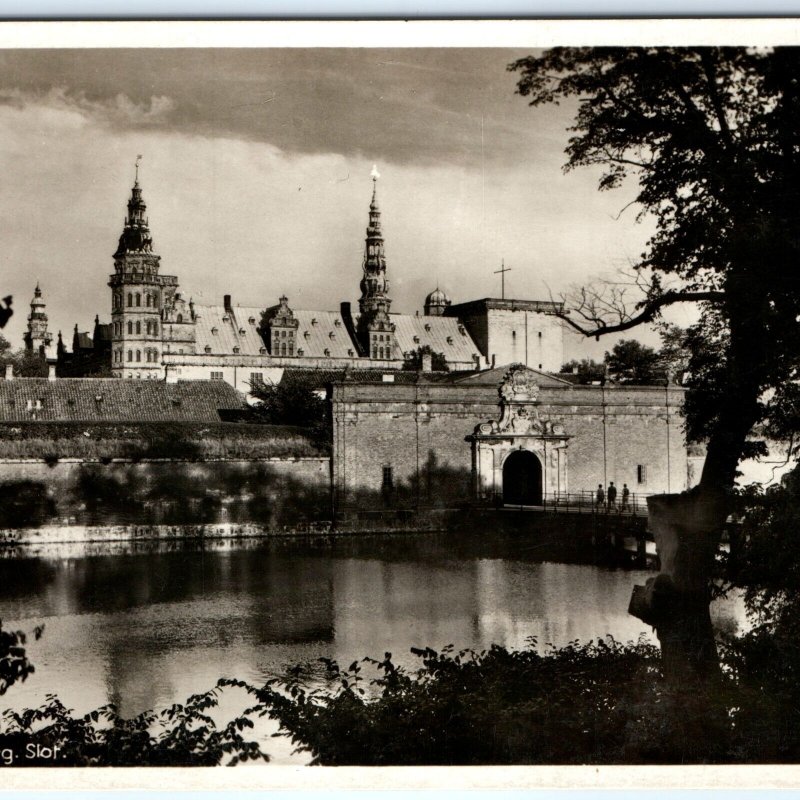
146,624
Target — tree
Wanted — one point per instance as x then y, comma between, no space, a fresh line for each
413,360
292,404
712,136
588,370
634,363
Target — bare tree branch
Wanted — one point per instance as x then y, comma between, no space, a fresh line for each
595,310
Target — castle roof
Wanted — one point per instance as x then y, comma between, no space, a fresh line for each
115,399
222,330
444,335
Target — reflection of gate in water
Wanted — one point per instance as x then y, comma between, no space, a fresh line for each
522,479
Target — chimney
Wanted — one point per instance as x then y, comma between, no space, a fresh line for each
9,372
575,369
51,370
227,303
477,359
427,362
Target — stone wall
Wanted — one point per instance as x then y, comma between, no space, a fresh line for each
525,337
421,432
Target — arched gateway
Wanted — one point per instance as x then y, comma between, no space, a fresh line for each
522,479
519,459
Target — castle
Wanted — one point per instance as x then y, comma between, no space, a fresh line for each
155,333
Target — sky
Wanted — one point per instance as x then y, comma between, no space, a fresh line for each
256,173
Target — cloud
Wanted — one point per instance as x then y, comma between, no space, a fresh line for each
238,215
119,110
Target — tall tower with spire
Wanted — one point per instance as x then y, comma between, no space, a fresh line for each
375,328
38,340
138,296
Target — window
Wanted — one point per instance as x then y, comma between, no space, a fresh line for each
138,355
513,334
138,326
130,327
179,318
291,348
138,299
641,473
216,376
256,379
147,300
388,478
155,328
130,355
540,334
155,355
130,299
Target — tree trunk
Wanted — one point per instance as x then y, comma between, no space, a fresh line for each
686,528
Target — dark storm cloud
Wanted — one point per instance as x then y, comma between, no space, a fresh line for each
451,106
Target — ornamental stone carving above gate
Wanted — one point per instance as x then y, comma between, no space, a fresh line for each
519,426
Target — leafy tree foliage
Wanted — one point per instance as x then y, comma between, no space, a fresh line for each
413,360
292,404
634,363
588,370
712,137
14,663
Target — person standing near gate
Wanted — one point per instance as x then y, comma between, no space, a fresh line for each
601,496
626,498
612,496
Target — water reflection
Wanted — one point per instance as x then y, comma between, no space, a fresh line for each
145,624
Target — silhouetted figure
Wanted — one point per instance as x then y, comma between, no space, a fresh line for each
626,498
612,495
600,498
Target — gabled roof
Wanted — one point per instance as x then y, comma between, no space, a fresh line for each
444,335
84,341
115,399
495,377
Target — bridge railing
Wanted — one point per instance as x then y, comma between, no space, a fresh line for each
585,502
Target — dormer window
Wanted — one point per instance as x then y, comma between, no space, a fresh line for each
331,335
236,350
306,334
226,318
416,340
299,351
350,351
252,320
215,331
208,348
427,327
337,323
314,321
462,330
262,350
449,340
242,331
327,352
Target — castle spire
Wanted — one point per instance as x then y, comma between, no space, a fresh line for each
37,337
375,328
136,236
374,285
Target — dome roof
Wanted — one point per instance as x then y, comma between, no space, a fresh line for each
437,298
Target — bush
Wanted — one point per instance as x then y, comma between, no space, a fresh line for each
181,735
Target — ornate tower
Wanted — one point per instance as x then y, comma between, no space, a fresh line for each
375,328
38,340
138,295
